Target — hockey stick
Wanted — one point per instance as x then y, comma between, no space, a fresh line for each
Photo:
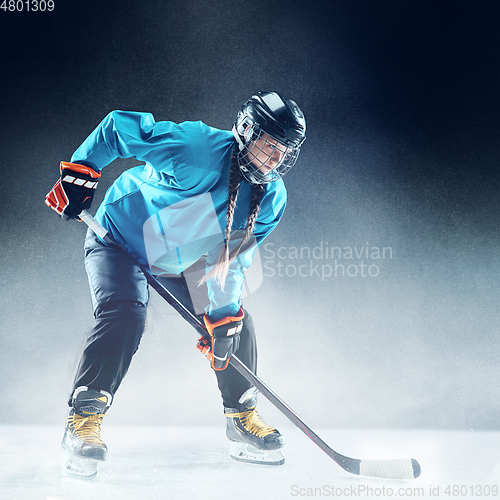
393,469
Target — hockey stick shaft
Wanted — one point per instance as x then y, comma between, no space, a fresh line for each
398,469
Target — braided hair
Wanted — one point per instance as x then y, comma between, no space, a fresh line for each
220,271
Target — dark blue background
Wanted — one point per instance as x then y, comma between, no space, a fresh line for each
401,101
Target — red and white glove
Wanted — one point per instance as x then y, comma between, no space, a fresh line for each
224,339
74,191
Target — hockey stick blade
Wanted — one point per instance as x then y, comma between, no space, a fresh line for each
407,468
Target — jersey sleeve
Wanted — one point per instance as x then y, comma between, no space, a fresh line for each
122,134
182,155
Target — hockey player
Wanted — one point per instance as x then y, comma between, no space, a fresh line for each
193,214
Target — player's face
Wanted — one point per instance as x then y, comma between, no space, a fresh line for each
266,153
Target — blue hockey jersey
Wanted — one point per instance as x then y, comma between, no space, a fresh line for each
171,212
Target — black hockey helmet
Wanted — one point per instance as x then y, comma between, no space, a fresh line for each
268,116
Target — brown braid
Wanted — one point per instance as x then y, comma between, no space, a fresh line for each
219,272
255,199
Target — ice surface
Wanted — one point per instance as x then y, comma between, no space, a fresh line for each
193,463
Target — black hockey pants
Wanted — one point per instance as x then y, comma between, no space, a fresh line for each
120,297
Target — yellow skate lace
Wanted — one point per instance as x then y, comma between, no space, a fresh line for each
87,428
252,422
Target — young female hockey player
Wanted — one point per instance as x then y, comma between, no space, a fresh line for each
193,214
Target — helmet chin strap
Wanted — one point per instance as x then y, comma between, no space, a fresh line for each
241,144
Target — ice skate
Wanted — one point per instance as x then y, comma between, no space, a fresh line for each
82,437
253,441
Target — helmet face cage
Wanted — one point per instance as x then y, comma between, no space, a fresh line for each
264,159
263,156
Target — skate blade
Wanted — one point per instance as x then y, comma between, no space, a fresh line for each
79,468
249,454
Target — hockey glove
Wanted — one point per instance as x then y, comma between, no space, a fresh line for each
74,191
224,339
